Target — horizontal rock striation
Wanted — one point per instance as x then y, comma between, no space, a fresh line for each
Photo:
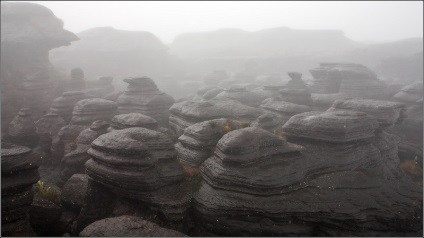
22,129
64,105
199,140
385,112
187,113
73,162
18,174
87,111
141,164
283,108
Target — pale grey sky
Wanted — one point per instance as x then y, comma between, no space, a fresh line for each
361,21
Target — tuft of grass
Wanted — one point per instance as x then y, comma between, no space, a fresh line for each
48,193
227,127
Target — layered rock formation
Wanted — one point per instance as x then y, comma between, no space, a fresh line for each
18,173
141,164
270,122
28,32
123,121
243,182
22,129
199,140
321,83
241,94
256,184
356,147
283,108
87,111
187,113
143,96
354,80
209,92
411,93
47,129
64,105
385,112
296,81
73,162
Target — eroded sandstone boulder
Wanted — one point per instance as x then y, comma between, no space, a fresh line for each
64,105
18,173
141,164
73,162
187,113
87,111
241,94
22,129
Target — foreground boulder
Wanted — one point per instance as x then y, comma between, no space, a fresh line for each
140,164
127,226
18,173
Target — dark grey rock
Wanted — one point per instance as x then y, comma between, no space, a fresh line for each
74,191
18,173
64,105
141,164
187,113
127,226
22,129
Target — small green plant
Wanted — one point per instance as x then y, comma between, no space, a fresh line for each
227,127
48,193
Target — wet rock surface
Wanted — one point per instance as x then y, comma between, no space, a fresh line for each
385,112
187,113
141,164
18,173
22,129
241,94
87,111
129,120
199,140
127,226
74,192
64,105
258,184
283,108
73,162
143,96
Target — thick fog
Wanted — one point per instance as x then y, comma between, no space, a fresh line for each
361,21
209,119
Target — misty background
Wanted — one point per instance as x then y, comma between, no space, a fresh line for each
179,43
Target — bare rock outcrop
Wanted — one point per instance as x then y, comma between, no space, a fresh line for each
64,105
140,164
18,173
